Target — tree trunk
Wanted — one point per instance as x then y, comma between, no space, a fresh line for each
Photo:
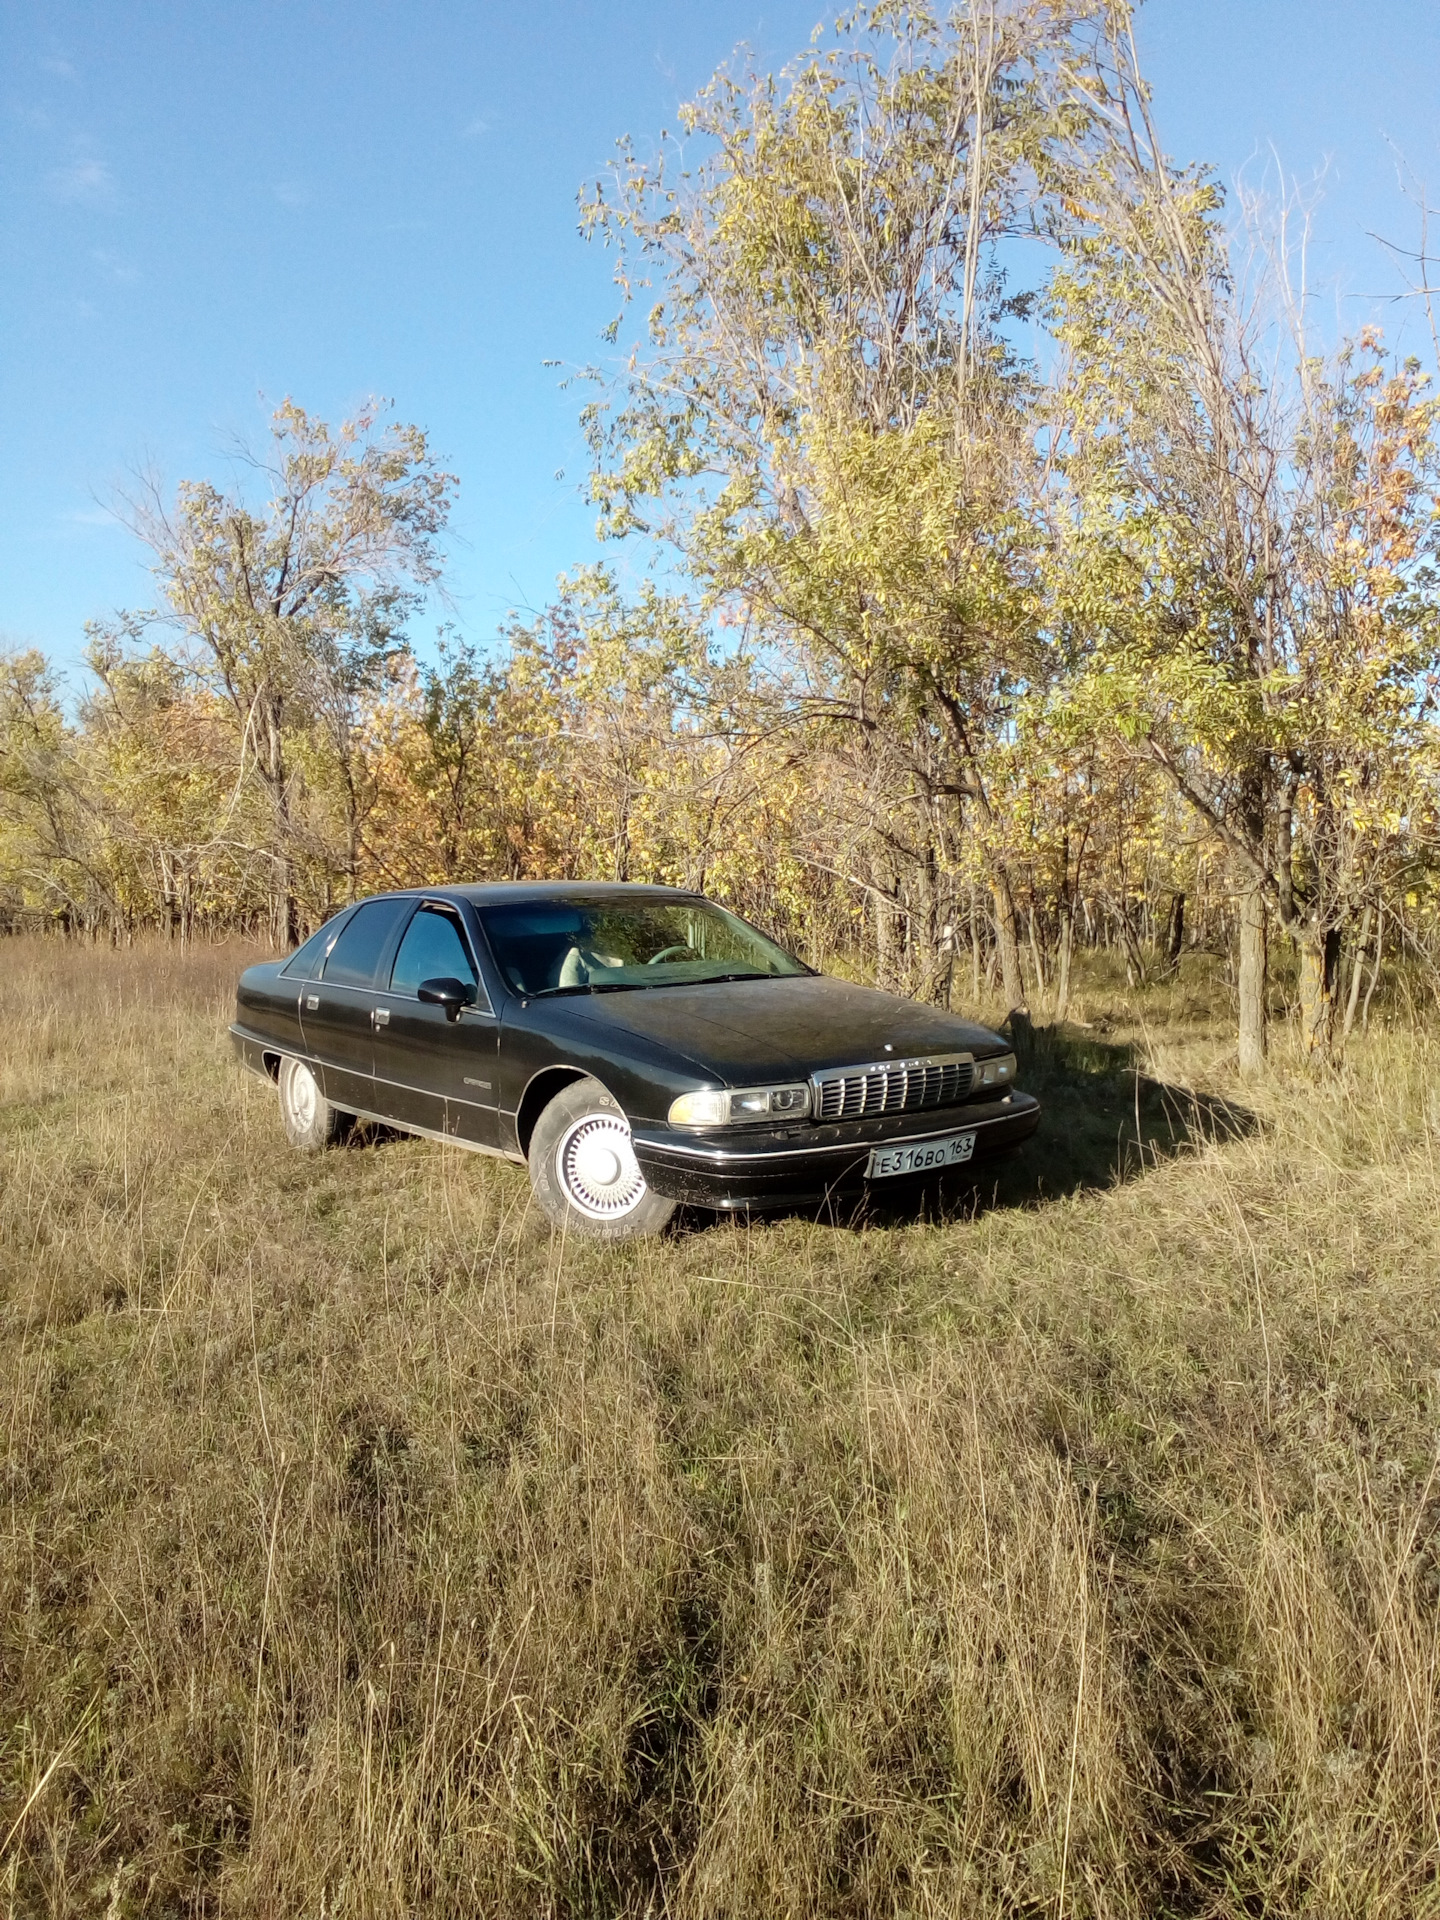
284,913
1357,969
974,952
284,909
1007,941
1037,964
352,839
1134,958
1319,964
1175,939
886,975
1062,965
1375,970
1253,972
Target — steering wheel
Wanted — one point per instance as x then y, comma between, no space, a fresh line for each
672,953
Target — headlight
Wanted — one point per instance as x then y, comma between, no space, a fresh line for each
740,1106
995,1073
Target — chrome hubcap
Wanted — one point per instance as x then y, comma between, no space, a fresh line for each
597,1169
304,1097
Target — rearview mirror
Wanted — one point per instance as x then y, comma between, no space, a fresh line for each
445,992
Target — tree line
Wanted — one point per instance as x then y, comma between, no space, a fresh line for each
1038,580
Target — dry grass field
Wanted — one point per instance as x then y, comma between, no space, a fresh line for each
367,1551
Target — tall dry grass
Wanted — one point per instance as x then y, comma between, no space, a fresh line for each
368,1551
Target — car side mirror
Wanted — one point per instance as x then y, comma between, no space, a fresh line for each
445,992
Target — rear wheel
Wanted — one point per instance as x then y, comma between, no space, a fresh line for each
584,1171
310,1121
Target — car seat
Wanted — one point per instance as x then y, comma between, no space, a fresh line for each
581,962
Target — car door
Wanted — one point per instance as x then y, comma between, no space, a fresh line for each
430,1071
337,1012
296,978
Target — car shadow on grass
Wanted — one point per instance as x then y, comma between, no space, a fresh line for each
1104,1121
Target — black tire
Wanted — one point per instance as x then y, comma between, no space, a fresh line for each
584,1172
311,1123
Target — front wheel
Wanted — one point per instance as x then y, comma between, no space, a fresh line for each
584,1171
310,1121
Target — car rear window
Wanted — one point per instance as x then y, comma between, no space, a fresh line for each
305,961
355,958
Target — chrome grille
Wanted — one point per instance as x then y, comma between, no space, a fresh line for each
900,1086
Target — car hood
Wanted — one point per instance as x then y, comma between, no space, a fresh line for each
750,1031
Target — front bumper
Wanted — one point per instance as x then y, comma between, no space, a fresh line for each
801,1165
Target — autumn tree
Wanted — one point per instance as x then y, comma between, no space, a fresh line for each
46,832
286,609
442,758
177,835
1251,530
824,410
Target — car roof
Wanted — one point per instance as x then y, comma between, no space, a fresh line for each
497,892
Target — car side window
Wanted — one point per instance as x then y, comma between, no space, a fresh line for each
434,949
355,958
305,961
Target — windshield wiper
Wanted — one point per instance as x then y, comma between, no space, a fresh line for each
646,986
709,980
593,986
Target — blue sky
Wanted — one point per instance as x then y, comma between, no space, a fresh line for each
206,207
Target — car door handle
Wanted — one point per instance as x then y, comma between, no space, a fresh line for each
380,1017
312,1001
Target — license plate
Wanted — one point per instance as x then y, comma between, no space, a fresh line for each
952,1151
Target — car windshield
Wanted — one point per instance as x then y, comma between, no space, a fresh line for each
603,945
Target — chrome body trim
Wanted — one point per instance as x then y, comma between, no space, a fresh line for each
710,1154
467,1012
432,1133
263,1044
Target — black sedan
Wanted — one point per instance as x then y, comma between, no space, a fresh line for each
636,1047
